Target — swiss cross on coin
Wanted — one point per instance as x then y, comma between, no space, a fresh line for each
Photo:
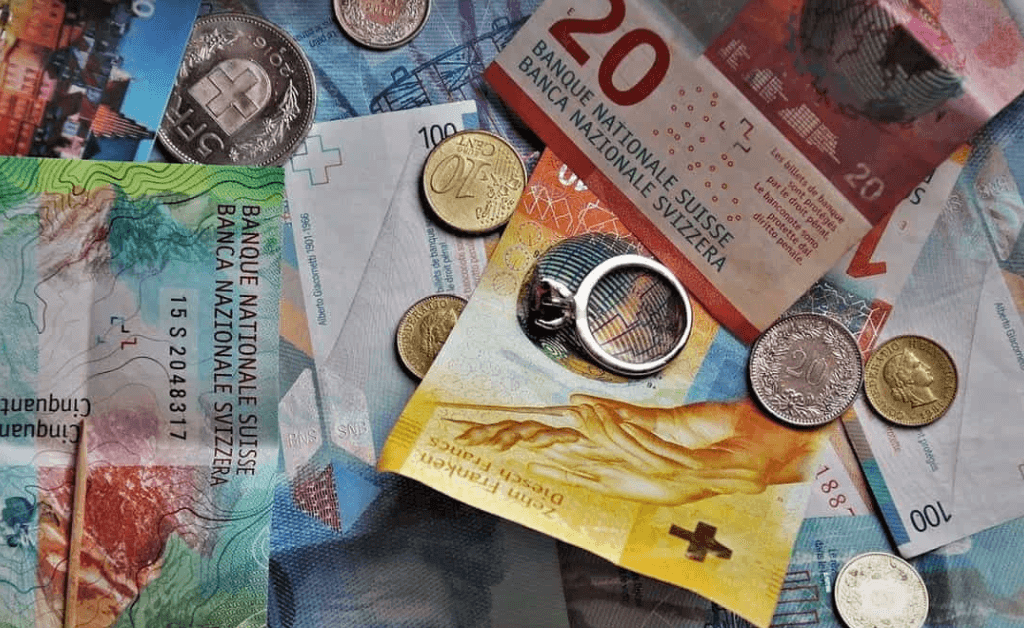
313,159
702,540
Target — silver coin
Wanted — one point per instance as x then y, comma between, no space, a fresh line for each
382,24
244,95
806,370
879,589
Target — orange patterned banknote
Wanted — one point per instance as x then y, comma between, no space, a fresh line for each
678,475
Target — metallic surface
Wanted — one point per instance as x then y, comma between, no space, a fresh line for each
423,329
473,180
245,94
910,380
382,24
879,589
806,370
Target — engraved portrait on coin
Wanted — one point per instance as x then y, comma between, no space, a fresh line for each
423,329
244,95
910,380
382,24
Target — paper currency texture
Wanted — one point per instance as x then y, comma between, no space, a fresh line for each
759,155
677,476
145,304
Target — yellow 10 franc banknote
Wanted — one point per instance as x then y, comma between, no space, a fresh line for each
677,475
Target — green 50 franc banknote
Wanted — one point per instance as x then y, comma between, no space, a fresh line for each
141,301
678,475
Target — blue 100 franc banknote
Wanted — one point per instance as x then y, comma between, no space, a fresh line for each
977,582
964,472
349,545
139,303
442,64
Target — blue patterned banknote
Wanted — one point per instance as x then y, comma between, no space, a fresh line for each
350,546
977,582
442,64
964,472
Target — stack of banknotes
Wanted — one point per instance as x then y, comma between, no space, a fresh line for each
213,219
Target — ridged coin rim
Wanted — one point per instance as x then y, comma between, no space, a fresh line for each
873,394
355,36
441,216
279,157
403,327
905,568
753,370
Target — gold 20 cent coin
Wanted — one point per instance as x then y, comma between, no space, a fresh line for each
910,380
473,180
423,329
878,589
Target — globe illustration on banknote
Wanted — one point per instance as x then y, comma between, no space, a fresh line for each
634,315
886,60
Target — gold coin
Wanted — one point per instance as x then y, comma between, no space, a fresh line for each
473,181
423,329
879,589
910,380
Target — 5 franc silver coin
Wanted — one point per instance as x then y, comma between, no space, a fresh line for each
382,24
806,370
245,94
879,589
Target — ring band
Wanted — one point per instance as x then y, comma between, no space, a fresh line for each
554,306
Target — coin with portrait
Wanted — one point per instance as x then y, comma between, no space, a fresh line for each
472,181
879,589
382,24
245,94
910,380
423,329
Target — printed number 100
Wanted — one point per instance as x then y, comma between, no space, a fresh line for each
931,516
563,31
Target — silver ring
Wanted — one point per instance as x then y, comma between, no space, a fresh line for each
555,306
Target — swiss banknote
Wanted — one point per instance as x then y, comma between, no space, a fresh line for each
90,79
964,472
444,62
140,303
977,582
342,183
350,545
752,144
525,427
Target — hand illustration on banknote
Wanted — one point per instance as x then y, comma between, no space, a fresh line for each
665,456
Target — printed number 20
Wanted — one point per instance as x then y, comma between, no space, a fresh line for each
563,31
871,187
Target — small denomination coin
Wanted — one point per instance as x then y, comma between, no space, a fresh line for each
806,369
473,180
423,329
244,95
879,589
910,380
382,24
